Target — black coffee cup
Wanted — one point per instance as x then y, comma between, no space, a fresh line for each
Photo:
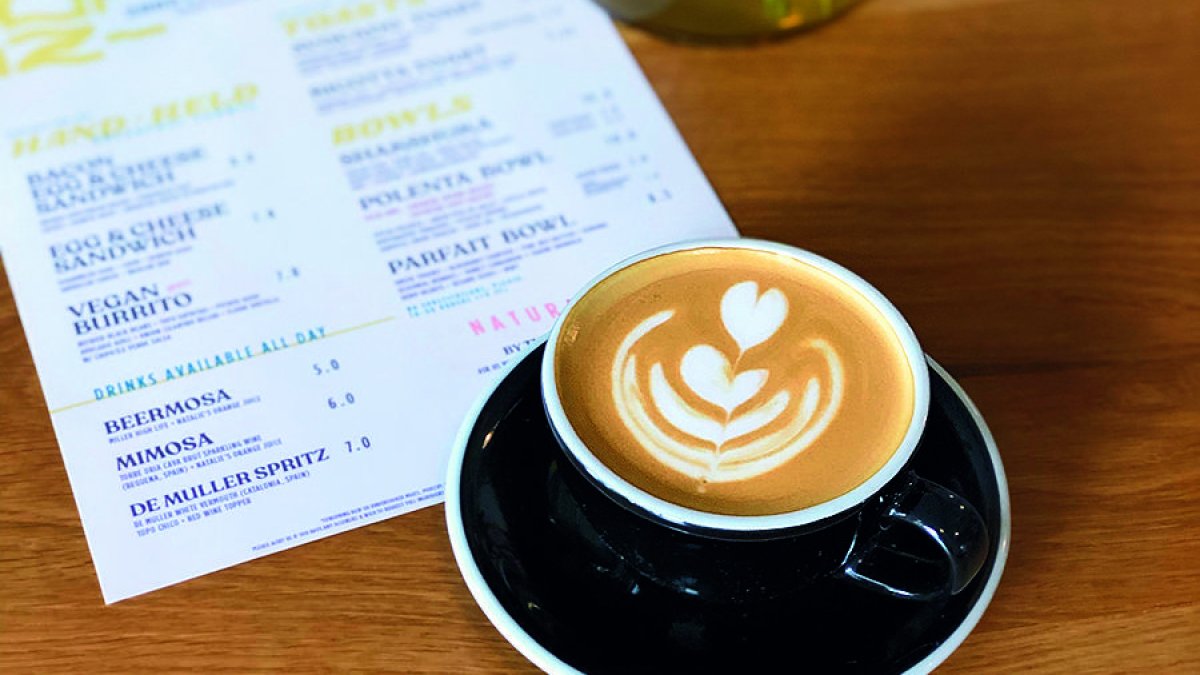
895,533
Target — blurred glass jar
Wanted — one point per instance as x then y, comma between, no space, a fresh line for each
725,19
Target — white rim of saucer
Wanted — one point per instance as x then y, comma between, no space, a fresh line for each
682,515
545,660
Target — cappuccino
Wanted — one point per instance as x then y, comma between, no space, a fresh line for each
734,381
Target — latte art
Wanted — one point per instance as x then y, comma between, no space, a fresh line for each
733,380
731,444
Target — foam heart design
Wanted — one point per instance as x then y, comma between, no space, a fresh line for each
751,318
708,373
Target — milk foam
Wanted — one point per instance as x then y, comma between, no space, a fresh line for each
732,381
733,446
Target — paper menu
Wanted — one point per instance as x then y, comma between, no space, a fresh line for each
267,253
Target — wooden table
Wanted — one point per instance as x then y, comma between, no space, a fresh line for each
1022,177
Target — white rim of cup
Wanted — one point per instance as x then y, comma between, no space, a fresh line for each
681,515
548,662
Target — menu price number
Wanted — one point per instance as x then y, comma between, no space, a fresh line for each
598,96
326,367
659,196
611,114
353,446
560,33
341,401
620,137
263,216
287,273
604,105
243,159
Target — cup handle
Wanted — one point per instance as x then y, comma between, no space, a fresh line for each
897,559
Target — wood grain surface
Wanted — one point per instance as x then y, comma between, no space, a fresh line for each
1021,177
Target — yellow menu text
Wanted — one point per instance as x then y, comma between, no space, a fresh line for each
349,13
158,116
398,120
32,39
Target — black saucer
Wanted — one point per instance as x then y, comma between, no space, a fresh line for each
551,597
